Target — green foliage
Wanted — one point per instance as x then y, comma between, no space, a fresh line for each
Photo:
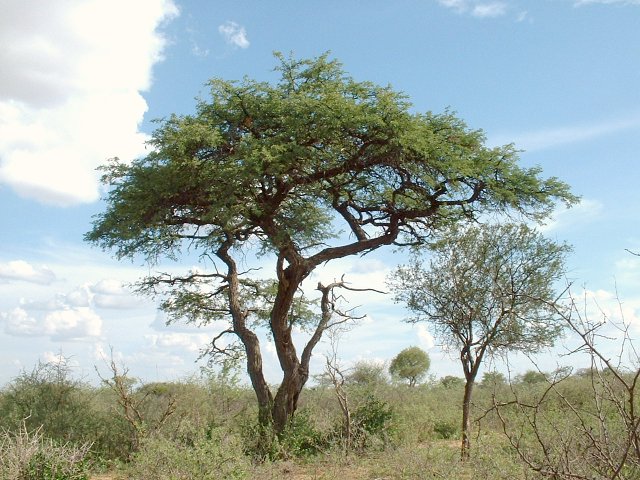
490,287
532,377
451,381
411,364
282,169
373,421
367,374
446,429
493,379
204,439
240,160
210,455
487,289
47,396
301,437
66,409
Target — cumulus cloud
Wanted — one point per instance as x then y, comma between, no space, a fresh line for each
605,306
189,342
69,316
477,8
113,294
23,271
70,91
64,324
234,34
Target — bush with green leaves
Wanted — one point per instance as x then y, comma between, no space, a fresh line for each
301,438
66,409
373,423
205,455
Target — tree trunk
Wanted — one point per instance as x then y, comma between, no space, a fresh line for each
248,338
285,402
295,375
466,418
258,382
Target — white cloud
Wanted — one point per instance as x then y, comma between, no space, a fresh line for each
59,359
425,338
109,286
565,135
584,213
23,271
113,294
103,294
477,8
80,297
18,322
234,34
190,342
605,306
70,96
66,324
494,9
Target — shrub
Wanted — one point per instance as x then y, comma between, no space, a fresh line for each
302,438
446,430
209,455
27,455
372,421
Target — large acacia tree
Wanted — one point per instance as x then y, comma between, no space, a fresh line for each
282,168
485,289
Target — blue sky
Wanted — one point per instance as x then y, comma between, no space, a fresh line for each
82,80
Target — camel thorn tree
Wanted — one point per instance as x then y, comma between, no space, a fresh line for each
281,169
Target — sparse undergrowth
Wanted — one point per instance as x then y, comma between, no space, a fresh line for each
398,432
28,455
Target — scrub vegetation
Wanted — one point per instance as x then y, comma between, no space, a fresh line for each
558,425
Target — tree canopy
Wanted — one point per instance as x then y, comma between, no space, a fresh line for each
283,168
410,364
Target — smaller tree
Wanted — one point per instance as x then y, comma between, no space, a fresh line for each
410,364
367,373
488,289
493,379
531,377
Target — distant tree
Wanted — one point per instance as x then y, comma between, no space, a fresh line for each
493,379
451,381
531,377
367,373
279,170
410,364
487,289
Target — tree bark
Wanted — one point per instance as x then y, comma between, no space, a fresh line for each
465,449
295,374
248,338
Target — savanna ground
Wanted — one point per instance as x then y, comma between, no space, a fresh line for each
205,428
